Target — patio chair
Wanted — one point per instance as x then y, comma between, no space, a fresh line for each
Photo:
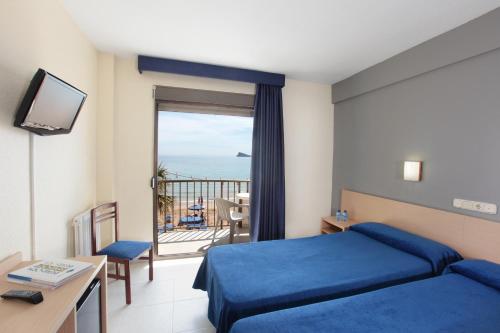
224,213
120,251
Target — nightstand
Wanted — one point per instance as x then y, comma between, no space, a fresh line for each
330,225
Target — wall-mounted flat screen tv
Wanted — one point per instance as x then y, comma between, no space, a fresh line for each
50,105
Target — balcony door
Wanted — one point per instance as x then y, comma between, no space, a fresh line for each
202,152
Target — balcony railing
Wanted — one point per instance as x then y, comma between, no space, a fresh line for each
177,195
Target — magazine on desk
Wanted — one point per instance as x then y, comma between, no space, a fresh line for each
49,273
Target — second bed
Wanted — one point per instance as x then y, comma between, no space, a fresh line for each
465,299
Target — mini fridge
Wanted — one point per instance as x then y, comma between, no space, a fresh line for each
88,309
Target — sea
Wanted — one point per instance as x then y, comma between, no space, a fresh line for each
207,167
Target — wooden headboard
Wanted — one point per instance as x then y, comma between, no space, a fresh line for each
472,237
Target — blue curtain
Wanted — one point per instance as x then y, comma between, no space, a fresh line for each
267,193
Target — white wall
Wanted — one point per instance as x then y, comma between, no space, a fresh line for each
37,34
308,125
105,190
308,121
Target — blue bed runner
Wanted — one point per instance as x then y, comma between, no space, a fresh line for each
248,279
464,299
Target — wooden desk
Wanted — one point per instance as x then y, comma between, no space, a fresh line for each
57,312
330,225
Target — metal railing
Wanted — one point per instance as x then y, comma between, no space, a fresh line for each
179,194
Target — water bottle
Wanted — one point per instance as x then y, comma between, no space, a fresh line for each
345,216
338,215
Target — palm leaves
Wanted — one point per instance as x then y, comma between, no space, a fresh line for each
162,171
164,201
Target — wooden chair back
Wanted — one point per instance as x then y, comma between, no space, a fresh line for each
102,213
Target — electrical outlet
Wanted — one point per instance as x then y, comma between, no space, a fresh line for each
476,206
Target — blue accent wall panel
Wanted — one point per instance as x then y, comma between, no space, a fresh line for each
146,63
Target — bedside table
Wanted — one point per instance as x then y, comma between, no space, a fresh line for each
330,225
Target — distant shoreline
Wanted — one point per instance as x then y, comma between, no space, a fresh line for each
211,167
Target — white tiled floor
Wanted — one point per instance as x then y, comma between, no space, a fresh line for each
242,236
168,304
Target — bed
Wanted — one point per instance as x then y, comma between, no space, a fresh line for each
466,298
248,279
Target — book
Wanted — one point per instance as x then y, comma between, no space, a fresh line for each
49,273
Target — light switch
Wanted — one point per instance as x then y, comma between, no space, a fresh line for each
476,206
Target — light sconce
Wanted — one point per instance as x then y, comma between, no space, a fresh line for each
412,171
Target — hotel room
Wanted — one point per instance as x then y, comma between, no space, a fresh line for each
278,166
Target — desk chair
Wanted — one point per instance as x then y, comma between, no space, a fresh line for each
120,251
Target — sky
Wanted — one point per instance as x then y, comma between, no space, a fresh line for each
194,134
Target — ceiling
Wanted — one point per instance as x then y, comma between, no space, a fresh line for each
315,40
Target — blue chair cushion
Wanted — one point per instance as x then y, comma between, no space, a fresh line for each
125,249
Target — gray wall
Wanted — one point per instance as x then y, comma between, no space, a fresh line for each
448,117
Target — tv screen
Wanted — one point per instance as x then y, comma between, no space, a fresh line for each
50,105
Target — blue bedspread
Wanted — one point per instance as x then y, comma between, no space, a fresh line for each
465,299
248,279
